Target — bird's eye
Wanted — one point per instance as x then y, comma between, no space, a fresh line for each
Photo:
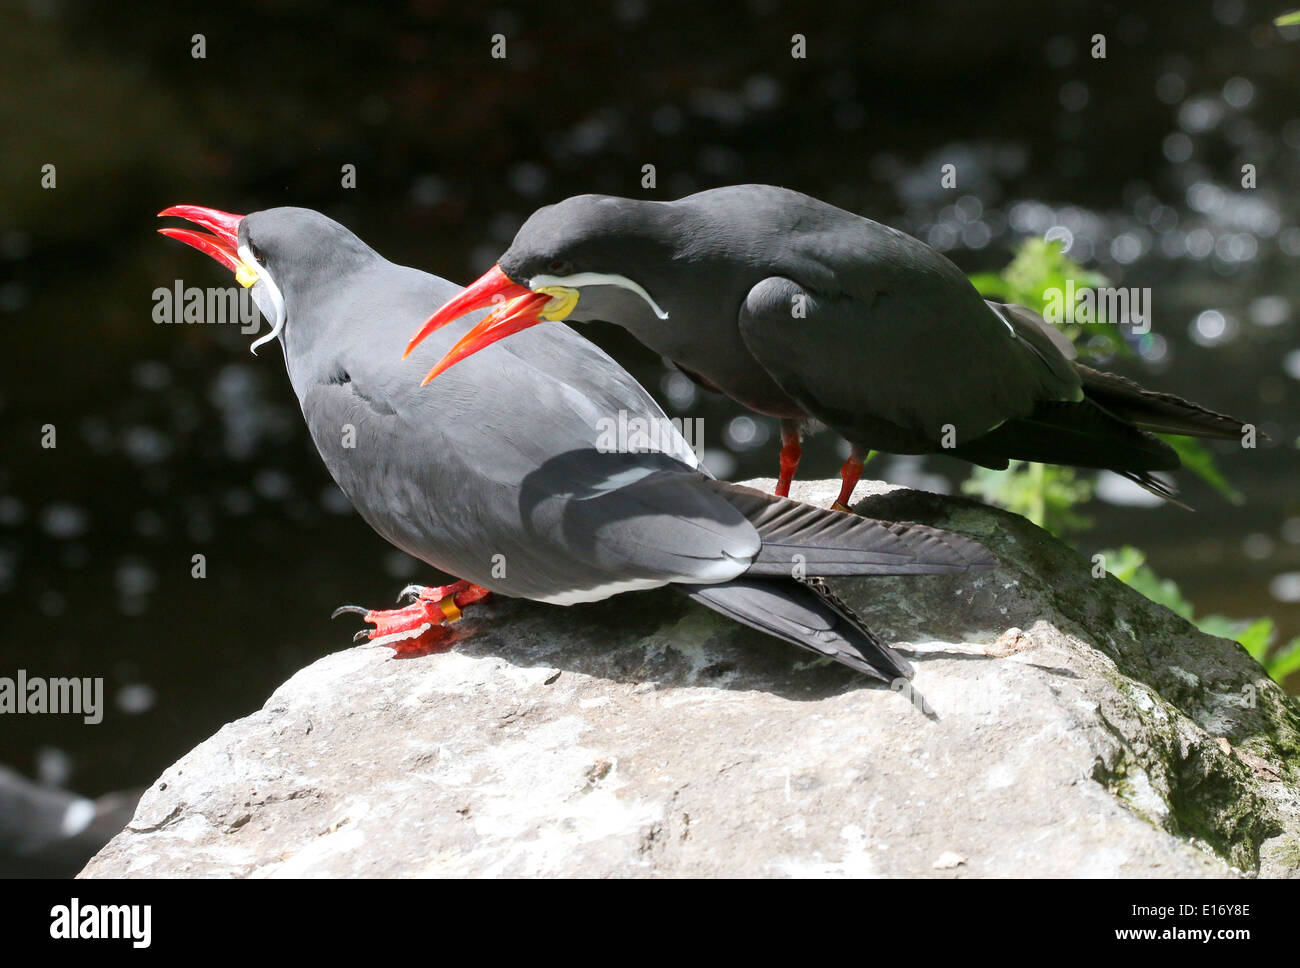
558,267
257,253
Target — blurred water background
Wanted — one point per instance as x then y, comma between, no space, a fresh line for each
173,440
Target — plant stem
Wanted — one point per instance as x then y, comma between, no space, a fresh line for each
1038,507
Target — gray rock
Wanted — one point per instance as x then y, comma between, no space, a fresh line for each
1058,724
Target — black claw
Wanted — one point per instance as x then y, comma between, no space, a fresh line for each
409,594
348,610
361,636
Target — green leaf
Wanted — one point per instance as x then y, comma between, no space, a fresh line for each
1043,493
1124,563
1040,267
1128,564
1197,458
1284,661
991,286
1162,591
1288,19
1255,635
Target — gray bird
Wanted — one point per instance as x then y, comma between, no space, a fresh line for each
503,475
801,310
47,831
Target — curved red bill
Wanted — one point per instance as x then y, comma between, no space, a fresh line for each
207,244
493,286
220,245
510,317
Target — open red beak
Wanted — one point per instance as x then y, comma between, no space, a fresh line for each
517,309
223,241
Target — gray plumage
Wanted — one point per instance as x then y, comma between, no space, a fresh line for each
492,472
798,309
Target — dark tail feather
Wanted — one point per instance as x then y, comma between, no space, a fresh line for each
1161,413
1155,486
818,541
1080,434
806,614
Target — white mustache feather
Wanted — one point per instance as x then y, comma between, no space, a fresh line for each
580,279
268,298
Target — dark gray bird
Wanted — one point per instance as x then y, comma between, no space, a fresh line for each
798,309
51,832
503,476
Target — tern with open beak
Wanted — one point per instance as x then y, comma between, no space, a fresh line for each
499,474
803,311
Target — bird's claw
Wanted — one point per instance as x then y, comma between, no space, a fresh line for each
412,628
422,622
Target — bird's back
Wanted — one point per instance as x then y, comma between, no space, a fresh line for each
889,333
507,470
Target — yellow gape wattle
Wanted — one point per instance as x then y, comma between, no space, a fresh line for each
245,275
563,299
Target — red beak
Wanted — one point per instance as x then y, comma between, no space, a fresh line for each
223,241
517,308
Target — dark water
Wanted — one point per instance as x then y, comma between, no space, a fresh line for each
173,440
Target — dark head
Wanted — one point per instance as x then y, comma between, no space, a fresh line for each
587,258
278,253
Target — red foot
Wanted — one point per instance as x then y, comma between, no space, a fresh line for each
791,451
850,474
424,625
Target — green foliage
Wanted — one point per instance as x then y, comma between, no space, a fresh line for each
1037,268
1196,457
1128,564
1040,267
1288,19
1285,660
1048,495
1256,635
1044,493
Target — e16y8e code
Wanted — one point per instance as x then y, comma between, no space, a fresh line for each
1191,910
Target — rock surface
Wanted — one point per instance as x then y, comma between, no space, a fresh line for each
1058,724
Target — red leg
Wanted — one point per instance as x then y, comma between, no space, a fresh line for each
420,625
791,450
850,474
